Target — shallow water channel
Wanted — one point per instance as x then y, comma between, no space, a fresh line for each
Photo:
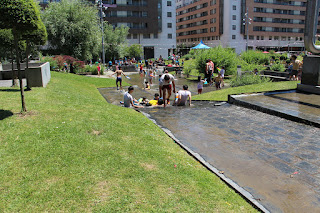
274,159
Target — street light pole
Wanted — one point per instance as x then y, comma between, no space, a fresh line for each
102,31
246,22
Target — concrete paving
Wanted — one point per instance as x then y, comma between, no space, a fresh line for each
274,159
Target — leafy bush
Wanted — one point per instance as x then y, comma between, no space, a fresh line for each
91,69
188,67
248,79
60,61
78,66
220,56
187,56
53,63
250,67
255,57
278,67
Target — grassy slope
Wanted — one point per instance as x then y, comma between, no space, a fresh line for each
75,152
222,95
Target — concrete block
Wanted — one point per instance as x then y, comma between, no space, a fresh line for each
38,76
311,70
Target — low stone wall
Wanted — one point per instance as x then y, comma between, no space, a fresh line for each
38,76
126,68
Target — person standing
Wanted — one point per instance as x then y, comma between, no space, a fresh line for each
209,71
296,68
200,85
222,72
119,72
167,82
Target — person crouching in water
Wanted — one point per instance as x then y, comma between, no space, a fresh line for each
183,96
128,100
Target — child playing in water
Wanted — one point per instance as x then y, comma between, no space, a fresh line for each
217,81
147,86
200,85
150,76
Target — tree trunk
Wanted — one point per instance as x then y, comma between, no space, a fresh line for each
27,65
14,74
24,109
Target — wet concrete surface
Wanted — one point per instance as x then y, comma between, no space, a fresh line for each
274,159
297,104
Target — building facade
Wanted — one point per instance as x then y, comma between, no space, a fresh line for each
272,24
152,24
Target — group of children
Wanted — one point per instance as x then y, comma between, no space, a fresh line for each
218,80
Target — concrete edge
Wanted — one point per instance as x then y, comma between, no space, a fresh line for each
232,99
245,194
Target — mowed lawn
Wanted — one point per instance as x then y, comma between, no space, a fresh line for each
74,152
222,95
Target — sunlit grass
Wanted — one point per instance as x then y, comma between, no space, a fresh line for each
74,152
222,95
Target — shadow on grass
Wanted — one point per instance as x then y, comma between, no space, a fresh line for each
5,114
10,90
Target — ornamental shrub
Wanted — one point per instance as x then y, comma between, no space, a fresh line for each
53,63
278,67
255,57
248,79
220,56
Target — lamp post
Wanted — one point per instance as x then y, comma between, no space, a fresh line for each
102,15
246,22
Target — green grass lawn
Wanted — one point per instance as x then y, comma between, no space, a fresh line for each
222,95
74,152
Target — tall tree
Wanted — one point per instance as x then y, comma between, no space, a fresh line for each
115,40
73,28
19,16
134,51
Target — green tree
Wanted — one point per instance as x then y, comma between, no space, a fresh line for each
115,40
73,29
19,16
134,51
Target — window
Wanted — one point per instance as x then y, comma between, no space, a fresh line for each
251,37
169,14
233,36
169,3
276,38
234,27
262,37
234,7
258,37
129,36
270,38
169,36
234,17
155,35
135,36
146,36
169,25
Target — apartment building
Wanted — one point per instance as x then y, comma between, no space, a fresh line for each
272,24
152,24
